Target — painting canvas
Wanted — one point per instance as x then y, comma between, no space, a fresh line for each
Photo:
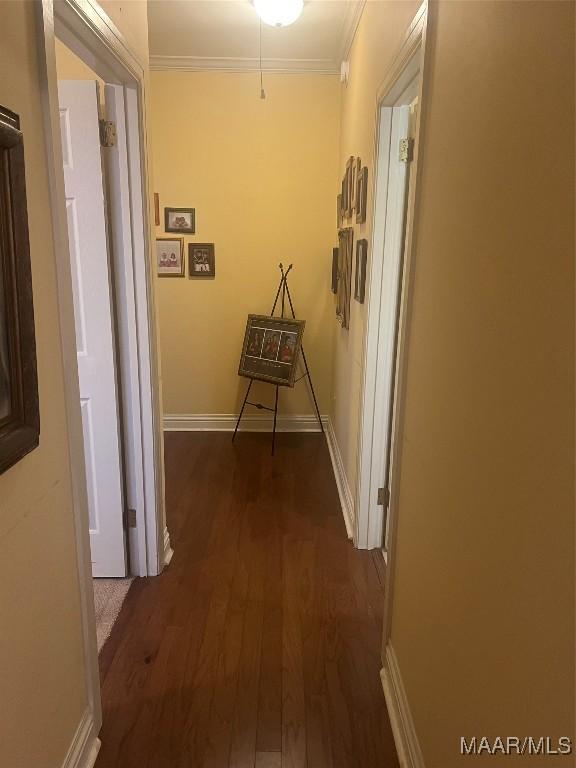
180,220
170,257
271,349
201,260
19,411
360,274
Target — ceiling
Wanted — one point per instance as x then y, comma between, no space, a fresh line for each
224,35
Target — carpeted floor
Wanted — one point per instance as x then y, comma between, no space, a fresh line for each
109,594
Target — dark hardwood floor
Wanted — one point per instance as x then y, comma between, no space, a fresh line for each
259,646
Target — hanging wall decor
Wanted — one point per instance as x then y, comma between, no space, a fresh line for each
335,258
19,411
348,180
170,256
345,248
201,260
360,270
180,220
361,195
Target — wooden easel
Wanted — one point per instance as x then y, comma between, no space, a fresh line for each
282,293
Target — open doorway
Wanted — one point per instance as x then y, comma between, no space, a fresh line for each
92,159
397,117
110,257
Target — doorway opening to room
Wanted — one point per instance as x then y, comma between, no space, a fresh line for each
95,125
398,120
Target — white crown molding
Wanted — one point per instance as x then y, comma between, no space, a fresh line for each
349,27
407,745
248,64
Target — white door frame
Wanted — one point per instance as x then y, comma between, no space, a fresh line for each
84,26
408,64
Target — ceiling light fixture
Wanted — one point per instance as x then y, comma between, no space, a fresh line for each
279,13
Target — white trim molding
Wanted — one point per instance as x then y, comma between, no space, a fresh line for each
349,28
346,499
85,745
405,737
251,422
246,64
168,551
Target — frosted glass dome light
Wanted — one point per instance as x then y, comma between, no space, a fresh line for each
279,13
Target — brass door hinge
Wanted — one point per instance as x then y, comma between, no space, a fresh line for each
406,150
383,497
130,518
107,133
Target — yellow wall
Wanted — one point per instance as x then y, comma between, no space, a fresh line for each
484,600
41,665
70,67
42,686
261,177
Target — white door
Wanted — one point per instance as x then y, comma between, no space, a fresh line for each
93,311
394,232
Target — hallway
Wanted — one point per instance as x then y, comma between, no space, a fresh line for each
259,646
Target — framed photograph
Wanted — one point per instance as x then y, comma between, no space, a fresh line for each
180,220
19,411
356,176
201,260
345,253
350,166
344,198
156,209
335,258
170,256
361,195
271,349
360,272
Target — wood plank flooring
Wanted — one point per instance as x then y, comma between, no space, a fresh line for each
259,646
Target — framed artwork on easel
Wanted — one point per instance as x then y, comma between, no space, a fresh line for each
271,348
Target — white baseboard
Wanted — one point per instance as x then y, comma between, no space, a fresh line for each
251,422
85,745
346,501
168,551
405,738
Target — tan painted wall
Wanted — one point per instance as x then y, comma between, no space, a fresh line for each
41,664
71,67
484,599
261,176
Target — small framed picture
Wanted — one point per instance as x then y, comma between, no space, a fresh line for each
349,178
361,195
180,220
271,349
356,176
170,256
360,276
335,259
201,260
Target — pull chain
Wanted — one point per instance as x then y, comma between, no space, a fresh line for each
262,91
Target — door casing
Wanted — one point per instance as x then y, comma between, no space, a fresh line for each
90,33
